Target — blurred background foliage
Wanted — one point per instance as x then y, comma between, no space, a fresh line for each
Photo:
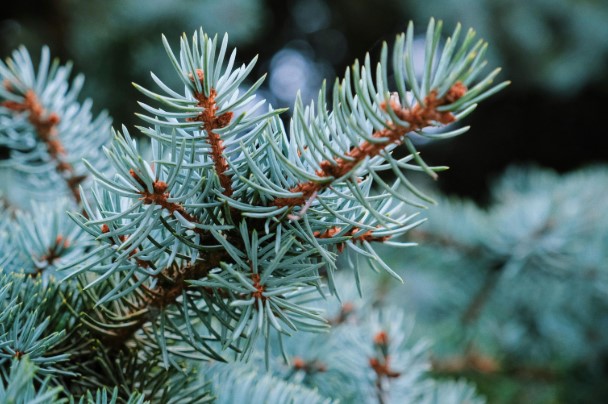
515,295
540,333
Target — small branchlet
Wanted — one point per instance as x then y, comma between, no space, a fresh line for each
45,124
418,117
159,196
365,236
381,364
210,121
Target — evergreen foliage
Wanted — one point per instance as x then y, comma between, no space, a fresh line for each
517,289
44,126
220,240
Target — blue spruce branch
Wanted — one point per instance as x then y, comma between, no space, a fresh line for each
228,232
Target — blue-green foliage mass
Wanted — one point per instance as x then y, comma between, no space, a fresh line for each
217,241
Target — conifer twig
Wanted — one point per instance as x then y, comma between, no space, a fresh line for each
418,117
381,364
45,124
172,281
365,236
210,122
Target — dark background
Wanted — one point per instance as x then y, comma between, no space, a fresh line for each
555,53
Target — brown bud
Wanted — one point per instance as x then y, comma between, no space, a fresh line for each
381,338
200,75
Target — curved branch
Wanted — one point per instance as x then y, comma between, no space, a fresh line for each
418,117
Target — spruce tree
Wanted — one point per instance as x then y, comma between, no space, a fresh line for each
218,255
